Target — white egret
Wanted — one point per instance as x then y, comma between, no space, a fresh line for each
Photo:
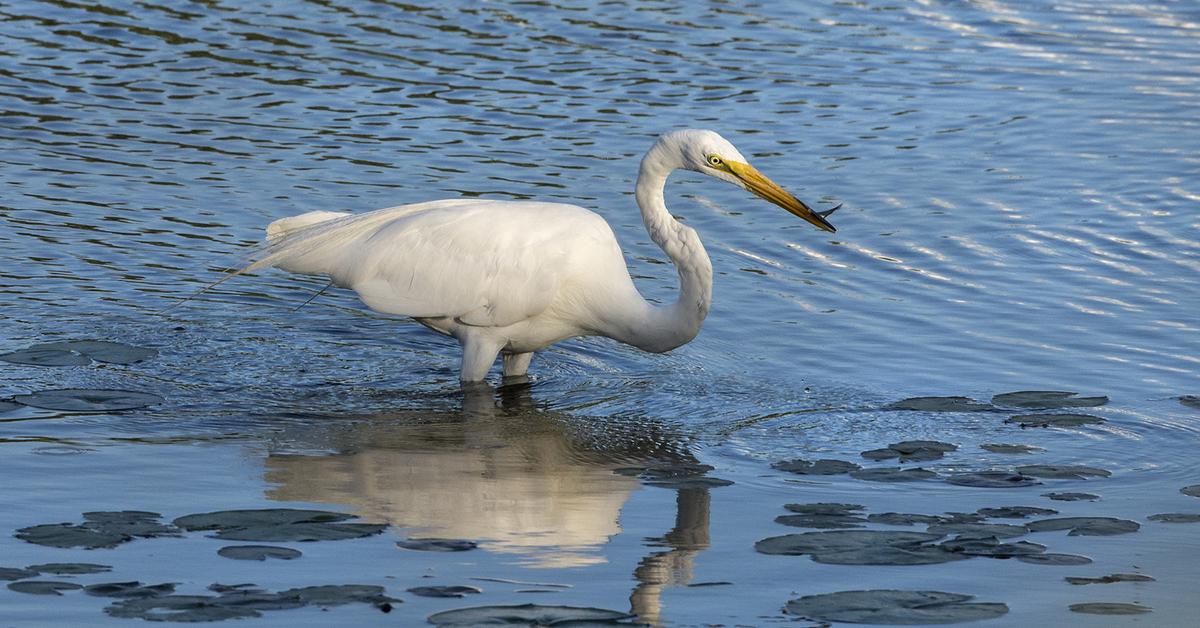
513,277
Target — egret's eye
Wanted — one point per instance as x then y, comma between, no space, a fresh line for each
714,161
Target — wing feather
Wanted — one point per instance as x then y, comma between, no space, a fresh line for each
486,263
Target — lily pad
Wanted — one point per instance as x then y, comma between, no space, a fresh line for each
1072,497
529,615
1055,560
824,508
258,552
887,606
14,573
42,587
1015,512
1109,579
135,523
941,404
445,591
1044,399
1003,448
889,555
991,479
38,355
675,475
1176,517
1191,491
70,535
911,451
824,466
836,541
178,608
979,530
224,519
904,519
132,589
1191,401
69,569
991,547
893,474
1054,420
1109,608
256,599
79,353
820,521
88,400
437,545
1085,526
338,594
301,532
1064,472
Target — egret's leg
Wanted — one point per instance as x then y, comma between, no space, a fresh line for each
479,354
516,364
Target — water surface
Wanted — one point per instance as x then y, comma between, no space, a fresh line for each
1020,186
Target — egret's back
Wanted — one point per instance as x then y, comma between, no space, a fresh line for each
483,263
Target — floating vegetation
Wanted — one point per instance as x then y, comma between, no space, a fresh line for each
820,521
1046,399
1109,579
243,601
1176,517
893,474
100,530
16,573
942,404
822,515
1003,448
131,589
911,451
1015,512
886,606
824,508
88,400
338,594
1085,526
1191,401
904,519
437,545
1063,472
69,569
258,552
1191,491
1072,497
279,525
445,591
860,547
979,530
674,475
991,479
43,587
824,466
79,353
1109,608
1055,560
992,547
1054,420
530,615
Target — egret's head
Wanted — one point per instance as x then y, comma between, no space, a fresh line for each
706,151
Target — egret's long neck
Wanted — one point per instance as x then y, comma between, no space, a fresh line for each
664,328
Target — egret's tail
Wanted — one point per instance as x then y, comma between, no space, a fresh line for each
284,226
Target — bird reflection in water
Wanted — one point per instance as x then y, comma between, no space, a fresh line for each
531,482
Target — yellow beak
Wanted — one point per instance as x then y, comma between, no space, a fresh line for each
765,188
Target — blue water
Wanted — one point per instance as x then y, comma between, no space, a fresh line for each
1020,184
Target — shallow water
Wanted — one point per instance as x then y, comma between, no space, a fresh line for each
1020,187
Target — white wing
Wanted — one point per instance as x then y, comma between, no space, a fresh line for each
490,263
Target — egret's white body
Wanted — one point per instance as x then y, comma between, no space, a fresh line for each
513,277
